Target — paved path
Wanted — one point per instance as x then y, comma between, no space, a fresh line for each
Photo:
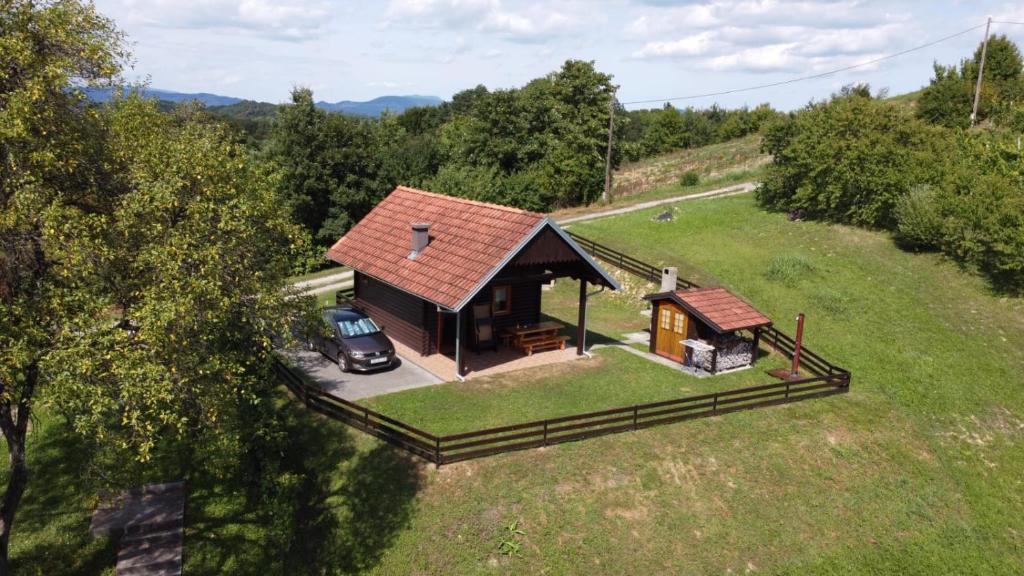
741,188
150,520
356,386
323,284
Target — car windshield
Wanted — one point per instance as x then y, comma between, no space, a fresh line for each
352,326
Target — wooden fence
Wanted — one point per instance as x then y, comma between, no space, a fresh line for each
490,441
638,268
826,379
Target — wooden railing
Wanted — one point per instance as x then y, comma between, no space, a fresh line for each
490,441
638,268
827,379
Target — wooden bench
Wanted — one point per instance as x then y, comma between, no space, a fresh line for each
543,343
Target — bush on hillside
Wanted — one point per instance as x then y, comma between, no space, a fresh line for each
918,219
849,159
689,178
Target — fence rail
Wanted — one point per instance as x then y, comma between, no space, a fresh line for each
490,441
827,379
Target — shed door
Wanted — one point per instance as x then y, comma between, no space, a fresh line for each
672,321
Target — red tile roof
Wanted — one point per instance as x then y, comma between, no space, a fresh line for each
722,309
468,240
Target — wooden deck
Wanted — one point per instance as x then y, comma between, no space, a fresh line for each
486,363
150,521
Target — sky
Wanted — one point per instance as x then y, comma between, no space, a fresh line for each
655,49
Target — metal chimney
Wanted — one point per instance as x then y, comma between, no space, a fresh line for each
669,275
420,238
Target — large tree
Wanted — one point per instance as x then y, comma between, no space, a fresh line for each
143,255
48,169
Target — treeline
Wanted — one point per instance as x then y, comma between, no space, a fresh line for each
920,173
645,133
540,147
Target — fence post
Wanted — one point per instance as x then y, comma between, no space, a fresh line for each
714,407
635,411
545,432
437,451
787,390
366,417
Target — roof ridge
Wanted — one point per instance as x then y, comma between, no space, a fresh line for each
468,201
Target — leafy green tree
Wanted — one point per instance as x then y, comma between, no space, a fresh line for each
183,306
949,98
849,159
981,203
329,166
50,169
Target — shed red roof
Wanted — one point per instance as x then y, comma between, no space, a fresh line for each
721,309
468,240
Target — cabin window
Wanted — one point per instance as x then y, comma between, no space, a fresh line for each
501,299
679,324
666,318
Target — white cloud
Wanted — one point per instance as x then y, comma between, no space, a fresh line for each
526,24
693,45
292,20
769,35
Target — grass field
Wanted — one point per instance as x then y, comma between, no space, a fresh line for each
918,470
719,165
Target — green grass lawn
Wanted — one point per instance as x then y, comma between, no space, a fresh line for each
918,470
612,379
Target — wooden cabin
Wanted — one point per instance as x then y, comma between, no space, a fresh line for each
703,328
433,269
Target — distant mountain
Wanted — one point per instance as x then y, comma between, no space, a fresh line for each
105,94
375,107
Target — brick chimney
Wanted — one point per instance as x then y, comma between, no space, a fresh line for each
420,238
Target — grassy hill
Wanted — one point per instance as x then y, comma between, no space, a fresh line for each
712,161
916,471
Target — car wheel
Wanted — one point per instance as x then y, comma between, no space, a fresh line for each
342,363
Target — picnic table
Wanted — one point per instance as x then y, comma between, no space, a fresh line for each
538,336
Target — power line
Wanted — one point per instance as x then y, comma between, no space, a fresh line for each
812,76
1007,22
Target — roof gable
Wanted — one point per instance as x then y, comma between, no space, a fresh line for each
469,242
719,308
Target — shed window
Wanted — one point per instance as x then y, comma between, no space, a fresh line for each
666,318
501,299
679,324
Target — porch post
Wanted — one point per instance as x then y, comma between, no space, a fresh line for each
458,344
753,349
581,323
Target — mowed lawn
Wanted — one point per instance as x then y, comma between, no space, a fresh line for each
918,470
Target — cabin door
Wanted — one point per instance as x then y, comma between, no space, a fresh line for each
672,324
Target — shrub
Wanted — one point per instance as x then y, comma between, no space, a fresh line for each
789,269
689,178
849,159
918,221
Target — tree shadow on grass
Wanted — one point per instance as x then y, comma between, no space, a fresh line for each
593,337
51,529
339,503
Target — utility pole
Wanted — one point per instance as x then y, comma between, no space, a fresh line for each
981,71
608,156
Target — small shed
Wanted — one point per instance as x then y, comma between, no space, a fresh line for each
709,329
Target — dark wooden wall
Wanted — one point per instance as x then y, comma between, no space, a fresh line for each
525,303
402,314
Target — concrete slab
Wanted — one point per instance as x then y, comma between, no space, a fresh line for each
355,386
